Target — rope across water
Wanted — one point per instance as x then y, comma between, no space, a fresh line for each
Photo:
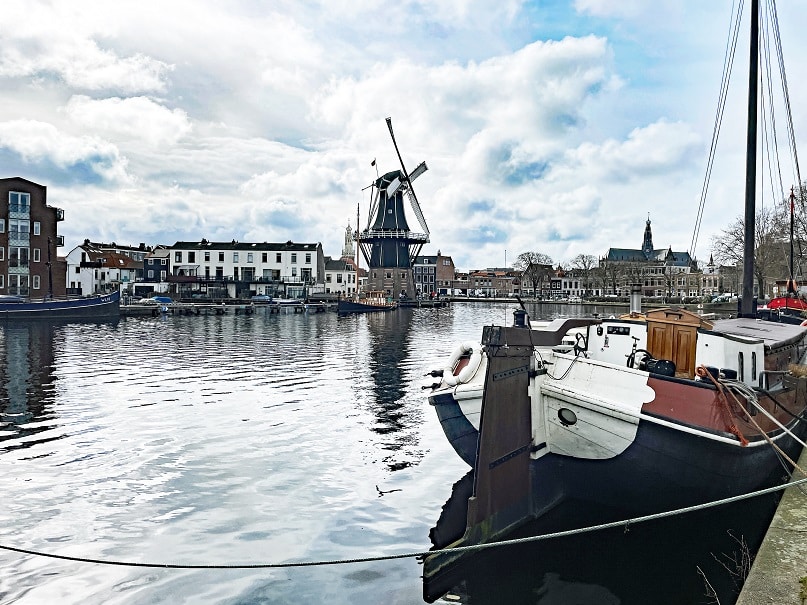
411,555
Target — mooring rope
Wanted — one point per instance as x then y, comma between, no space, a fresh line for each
626,523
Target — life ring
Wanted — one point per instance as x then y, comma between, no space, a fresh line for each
466,373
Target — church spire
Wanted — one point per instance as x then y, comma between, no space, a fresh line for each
647,245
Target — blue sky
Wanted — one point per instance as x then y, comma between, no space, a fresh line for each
553,127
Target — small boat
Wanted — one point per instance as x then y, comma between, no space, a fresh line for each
640,414
370,303
89,307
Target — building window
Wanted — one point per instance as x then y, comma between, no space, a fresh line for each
2,253
328,277
36,227
163,261
294,271
221,257
2,225
178,257
338,278
293,257
18,257
235,257
36,282
36,255
2,281
162,275
277,258
151,273
264,257
207,257
191,256
307,258
19,202
249,257
403,275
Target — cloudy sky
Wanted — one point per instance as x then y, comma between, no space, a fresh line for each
553,126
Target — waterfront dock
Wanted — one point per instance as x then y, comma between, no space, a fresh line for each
779,572
180,308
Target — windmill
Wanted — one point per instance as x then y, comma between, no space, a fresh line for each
388,245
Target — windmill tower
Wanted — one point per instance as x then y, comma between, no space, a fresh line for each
388,245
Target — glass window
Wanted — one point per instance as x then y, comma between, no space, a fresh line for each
249,257
3,254
221,257
36,282
235,257
307,258
151,273
191,256
163,261
2,225
264,257
36,227
36,255
19,202
178,257
277,257
207,257
293,257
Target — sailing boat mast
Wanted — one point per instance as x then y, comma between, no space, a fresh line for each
747,303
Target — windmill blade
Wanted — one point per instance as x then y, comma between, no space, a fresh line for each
416,208
421,168
410,192
393,187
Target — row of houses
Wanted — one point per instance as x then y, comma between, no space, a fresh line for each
30,265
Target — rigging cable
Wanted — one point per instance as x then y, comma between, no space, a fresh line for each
728,62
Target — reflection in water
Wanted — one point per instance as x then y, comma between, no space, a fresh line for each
26,382
397,411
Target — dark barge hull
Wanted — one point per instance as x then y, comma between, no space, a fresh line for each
93,307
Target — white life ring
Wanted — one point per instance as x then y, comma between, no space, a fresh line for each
464,375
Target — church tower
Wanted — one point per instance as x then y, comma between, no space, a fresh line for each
347,249
647,245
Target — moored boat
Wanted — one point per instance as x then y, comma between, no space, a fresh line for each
642,414
89,307
370,303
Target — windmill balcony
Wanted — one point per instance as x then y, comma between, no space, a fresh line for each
391,233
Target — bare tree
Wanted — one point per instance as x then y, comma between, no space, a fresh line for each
535,267
585,264
727,246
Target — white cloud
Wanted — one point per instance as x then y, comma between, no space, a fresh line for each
38,142
131,118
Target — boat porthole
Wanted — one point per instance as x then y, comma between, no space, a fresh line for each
567,417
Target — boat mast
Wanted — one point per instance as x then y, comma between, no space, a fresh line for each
357,252
747,304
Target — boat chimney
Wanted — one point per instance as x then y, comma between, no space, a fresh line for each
635,298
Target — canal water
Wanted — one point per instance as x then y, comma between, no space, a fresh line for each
265,438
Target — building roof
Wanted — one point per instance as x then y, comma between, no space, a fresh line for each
249,246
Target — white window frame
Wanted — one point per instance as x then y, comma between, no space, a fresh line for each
36,283
36,255
37,227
